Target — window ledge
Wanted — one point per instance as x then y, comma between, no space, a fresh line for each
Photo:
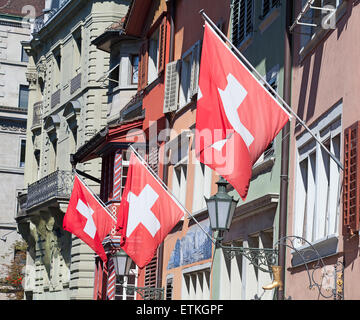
246,43
269,19
326,247
263,166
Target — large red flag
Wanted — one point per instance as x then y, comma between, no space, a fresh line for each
147,213
237,118
86,218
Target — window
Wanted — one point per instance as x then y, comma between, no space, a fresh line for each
24,55
169,289
268,5
77,45
121,293
202,186
179,148
22,153
57,68
153,57
321,19
134,69
240,279
23,96
182,79
317,180
196,285
179,182
242,20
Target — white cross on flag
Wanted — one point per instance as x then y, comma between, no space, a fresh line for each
87,219
147,213
237,118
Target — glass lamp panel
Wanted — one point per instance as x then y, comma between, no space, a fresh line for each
211,205
223,212
120,264
231,213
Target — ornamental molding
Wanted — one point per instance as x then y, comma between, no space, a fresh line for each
31,77
12,126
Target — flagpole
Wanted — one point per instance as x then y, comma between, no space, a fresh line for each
268,86
154,174
96,197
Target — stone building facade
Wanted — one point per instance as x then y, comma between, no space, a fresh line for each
14,28
67,105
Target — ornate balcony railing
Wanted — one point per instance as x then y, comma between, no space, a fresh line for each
37,114
57,185
38,23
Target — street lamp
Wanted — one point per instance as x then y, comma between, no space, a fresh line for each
221,208
122,263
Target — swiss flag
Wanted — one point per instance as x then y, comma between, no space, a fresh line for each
237,118
87,219
147,213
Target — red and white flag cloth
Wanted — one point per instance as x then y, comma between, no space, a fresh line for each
87,219
147,213
237,118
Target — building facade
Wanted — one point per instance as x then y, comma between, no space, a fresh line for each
67,105
257,30
14,91
323,208
188,251
187,266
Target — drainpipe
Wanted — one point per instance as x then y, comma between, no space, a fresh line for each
285,147
167,128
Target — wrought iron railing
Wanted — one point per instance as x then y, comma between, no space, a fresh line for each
41,20
57,185
39,23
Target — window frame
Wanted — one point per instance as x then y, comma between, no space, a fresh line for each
273,4
22,163
132,57
318,224
22,86
193,272
249,18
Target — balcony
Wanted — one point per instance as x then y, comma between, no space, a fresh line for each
55,186
37,115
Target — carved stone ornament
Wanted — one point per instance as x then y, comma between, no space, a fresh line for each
31,77
12,126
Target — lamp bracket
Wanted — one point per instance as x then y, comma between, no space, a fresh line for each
318,273
147,293
262,259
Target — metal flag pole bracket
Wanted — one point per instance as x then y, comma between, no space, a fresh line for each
242,58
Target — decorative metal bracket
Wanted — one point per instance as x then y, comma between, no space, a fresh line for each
262,259
147,293
332,278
